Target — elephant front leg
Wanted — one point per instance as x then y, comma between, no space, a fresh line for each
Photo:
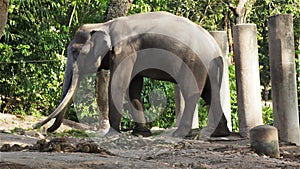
136,108
102,82
115,110
222,129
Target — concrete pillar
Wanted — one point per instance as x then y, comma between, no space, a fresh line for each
247,77
179,108
222,40
283,77
299,47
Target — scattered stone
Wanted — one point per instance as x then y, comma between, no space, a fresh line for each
15,147
19,131
5,148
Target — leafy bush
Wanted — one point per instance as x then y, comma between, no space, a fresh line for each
32,51
233,98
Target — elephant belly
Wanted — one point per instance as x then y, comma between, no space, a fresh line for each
157,75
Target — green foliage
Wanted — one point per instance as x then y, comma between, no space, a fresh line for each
233,99
84,102
164,91
32,51
71,133
202,113
209,14
267,113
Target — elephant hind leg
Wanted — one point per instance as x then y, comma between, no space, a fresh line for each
115,108
136,108
185,124
217,122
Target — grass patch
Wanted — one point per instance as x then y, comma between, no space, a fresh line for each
71,133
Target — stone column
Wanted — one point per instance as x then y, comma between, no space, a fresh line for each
247,77
222,40
299,47
283,77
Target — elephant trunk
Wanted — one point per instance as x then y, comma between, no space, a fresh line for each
64,102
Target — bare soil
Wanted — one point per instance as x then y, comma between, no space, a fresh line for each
22,149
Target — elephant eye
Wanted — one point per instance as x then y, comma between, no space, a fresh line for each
75,53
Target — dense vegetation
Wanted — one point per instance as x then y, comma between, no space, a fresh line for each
32,50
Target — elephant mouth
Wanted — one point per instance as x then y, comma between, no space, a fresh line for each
66,100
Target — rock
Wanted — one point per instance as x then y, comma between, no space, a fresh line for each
264,140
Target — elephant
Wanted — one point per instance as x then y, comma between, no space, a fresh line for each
157,45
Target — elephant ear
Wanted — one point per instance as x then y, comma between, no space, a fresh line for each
91,47
97,47
100,43
84,41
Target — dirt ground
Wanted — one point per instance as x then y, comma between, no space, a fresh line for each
31,149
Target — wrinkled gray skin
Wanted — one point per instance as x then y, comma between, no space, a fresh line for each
157,45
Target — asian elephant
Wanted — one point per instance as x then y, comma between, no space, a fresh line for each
156,45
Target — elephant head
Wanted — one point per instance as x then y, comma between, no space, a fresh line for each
85,53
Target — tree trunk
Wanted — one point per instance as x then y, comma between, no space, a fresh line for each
117,8
242,10
3,15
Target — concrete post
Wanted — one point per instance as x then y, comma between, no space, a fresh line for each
222,40
179,108
299,47
283,77
247,77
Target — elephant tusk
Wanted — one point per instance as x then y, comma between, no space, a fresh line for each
65,101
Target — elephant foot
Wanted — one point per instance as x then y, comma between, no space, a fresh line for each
104,127
112,132
181,133
221,131
142,131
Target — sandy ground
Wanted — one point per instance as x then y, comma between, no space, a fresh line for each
127,151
